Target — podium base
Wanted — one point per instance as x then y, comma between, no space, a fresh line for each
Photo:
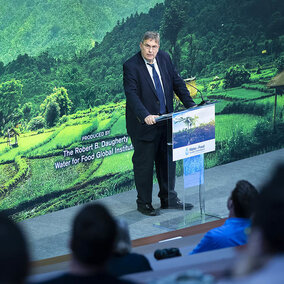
187,220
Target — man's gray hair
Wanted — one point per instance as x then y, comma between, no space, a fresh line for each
151,35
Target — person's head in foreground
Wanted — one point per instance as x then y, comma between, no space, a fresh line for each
268,218
242,198
14,255
265,248
93,236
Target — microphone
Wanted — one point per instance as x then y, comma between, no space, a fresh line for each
203,102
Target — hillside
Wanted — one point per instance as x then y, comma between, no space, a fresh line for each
60,27
204,39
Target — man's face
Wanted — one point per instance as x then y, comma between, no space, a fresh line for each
149,49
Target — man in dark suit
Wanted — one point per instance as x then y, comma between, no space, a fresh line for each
150,79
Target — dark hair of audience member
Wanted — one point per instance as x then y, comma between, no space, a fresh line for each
269,212
14,255
243,196
93,235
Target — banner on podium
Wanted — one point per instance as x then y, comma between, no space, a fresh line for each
193,132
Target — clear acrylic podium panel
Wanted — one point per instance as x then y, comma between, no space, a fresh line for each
196,195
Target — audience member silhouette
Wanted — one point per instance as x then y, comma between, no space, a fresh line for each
233,232
263,259
14,255
92,242
123,261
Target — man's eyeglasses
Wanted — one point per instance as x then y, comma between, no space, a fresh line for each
153,47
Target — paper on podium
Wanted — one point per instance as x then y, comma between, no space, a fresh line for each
169,115
164,117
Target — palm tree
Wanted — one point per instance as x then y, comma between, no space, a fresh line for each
189,122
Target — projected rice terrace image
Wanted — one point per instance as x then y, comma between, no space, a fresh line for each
63,139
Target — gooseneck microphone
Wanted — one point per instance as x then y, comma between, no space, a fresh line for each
203,102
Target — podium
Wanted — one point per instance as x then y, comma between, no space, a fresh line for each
190,134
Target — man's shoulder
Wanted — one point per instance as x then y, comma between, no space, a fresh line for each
63,278
133,60
217,232
163,54
228,228
95,278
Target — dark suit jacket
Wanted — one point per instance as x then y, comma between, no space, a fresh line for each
127,264
141,96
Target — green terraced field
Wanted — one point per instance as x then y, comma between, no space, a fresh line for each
42,181
228,124
70,185
238,94
67,136
25,144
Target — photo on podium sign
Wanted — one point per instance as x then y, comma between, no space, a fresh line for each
193,132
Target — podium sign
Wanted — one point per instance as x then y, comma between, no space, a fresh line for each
193,132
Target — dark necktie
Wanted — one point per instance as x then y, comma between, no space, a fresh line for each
159,89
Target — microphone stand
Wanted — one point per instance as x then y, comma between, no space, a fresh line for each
203,102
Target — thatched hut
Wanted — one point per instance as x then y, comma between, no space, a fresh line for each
12,133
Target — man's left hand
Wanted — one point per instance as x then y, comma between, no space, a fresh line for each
150,119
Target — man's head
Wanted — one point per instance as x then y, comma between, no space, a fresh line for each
14,256
149,46
122,241
242,199
269,212
93,235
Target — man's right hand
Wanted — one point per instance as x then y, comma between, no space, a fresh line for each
150,119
